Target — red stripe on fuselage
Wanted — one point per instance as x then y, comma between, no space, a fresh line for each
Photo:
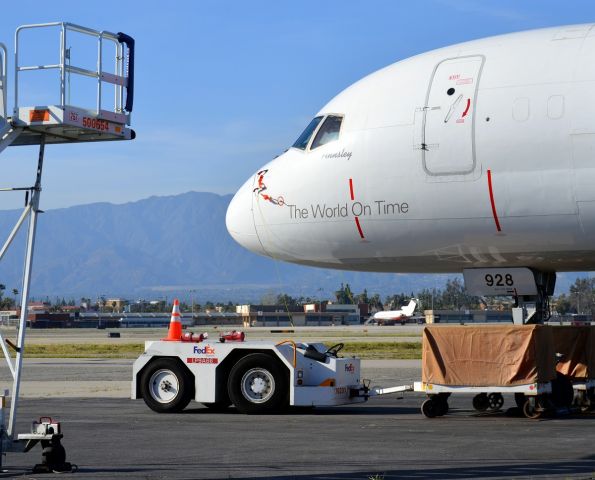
492,201
467,109
359,227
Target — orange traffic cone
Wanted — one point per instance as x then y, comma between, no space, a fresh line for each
175,326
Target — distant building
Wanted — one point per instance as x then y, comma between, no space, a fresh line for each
9,317
70,309
116,304
39,307
280,315
351,312
49,320
467,316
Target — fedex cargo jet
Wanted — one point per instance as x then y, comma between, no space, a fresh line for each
479,157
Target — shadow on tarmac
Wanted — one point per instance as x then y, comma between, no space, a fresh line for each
584,467
311,411
517,471
373,410
26,473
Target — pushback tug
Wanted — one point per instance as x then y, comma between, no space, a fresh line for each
254,376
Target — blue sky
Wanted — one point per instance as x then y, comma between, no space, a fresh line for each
224,86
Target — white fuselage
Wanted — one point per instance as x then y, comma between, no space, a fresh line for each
477,155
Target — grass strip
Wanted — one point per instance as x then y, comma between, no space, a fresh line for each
85,350
383,350
364,350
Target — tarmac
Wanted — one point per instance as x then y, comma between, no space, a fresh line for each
110,436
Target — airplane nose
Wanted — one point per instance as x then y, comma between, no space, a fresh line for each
240,219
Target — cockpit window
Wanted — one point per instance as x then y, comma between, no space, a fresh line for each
302,141
328,131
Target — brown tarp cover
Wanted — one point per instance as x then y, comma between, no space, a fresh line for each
488,355
577,344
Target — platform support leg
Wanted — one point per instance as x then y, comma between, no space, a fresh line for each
34,211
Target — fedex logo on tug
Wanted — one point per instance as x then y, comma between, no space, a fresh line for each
206,350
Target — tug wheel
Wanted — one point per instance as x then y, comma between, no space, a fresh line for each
258,384
166,386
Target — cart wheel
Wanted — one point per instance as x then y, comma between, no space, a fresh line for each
532,409
495,400
258,384
481,402
590,398
430,408
520,399
442,405
166,386
585,405
562,391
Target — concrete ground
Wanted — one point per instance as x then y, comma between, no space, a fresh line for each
386,438
110,436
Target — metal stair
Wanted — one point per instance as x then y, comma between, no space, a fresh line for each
51,124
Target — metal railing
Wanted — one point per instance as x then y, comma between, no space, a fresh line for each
3,86
122,78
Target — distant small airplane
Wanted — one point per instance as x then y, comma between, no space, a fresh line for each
393,316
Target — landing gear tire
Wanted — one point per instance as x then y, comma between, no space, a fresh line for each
258,384
481,402
165,386
495,401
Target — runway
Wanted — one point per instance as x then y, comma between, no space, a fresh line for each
114,437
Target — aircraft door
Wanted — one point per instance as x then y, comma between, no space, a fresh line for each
448,127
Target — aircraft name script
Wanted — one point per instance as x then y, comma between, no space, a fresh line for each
356,209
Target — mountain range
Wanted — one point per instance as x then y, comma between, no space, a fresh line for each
172,246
